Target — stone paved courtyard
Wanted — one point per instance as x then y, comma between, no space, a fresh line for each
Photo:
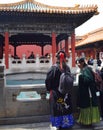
46,126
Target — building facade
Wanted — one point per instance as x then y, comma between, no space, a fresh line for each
29,22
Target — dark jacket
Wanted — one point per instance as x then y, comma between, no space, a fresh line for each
53,77
87,89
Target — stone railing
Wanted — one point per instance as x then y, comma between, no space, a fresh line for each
24,64
15,110
27,110
38,63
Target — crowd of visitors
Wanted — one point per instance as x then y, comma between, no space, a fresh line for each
90,61
32,56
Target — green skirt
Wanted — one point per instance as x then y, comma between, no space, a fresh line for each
89,116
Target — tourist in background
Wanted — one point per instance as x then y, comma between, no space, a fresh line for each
90,60
99,62
32,56
87,98
101,94
60,104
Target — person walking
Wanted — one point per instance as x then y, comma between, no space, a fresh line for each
87,98
60,104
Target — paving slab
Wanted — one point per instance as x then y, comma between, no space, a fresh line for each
47,126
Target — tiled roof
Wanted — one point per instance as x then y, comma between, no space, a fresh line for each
34,6
91,37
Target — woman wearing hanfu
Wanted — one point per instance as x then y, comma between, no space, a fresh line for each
60,104
87,98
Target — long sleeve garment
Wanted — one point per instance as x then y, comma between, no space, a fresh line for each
87,89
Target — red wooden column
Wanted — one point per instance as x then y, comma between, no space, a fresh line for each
7,50
67,47
53,47
73,48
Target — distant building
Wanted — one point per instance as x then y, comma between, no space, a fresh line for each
91,44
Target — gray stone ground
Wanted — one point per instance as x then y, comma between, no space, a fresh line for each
46,126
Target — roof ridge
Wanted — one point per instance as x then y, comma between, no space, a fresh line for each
75,7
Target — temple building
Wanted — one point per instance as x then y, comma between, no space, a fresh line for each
91,44
29,22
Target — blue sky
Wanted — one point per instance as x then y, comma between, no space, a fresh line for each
94,23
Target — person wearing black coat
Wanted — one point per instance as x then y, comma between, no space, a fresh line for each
60,104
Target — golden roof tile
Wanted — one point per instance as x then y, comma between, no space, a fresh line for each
34,6
94,36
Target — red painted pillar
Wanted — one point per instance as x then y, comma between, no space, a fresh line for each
67,47
73,48
7,50
53,47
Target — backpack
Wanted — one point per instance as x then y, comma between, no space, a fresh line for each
66,82
98,81
52,78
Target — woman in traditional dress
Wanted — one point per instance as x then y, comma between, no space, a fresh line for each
88,100
60,104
